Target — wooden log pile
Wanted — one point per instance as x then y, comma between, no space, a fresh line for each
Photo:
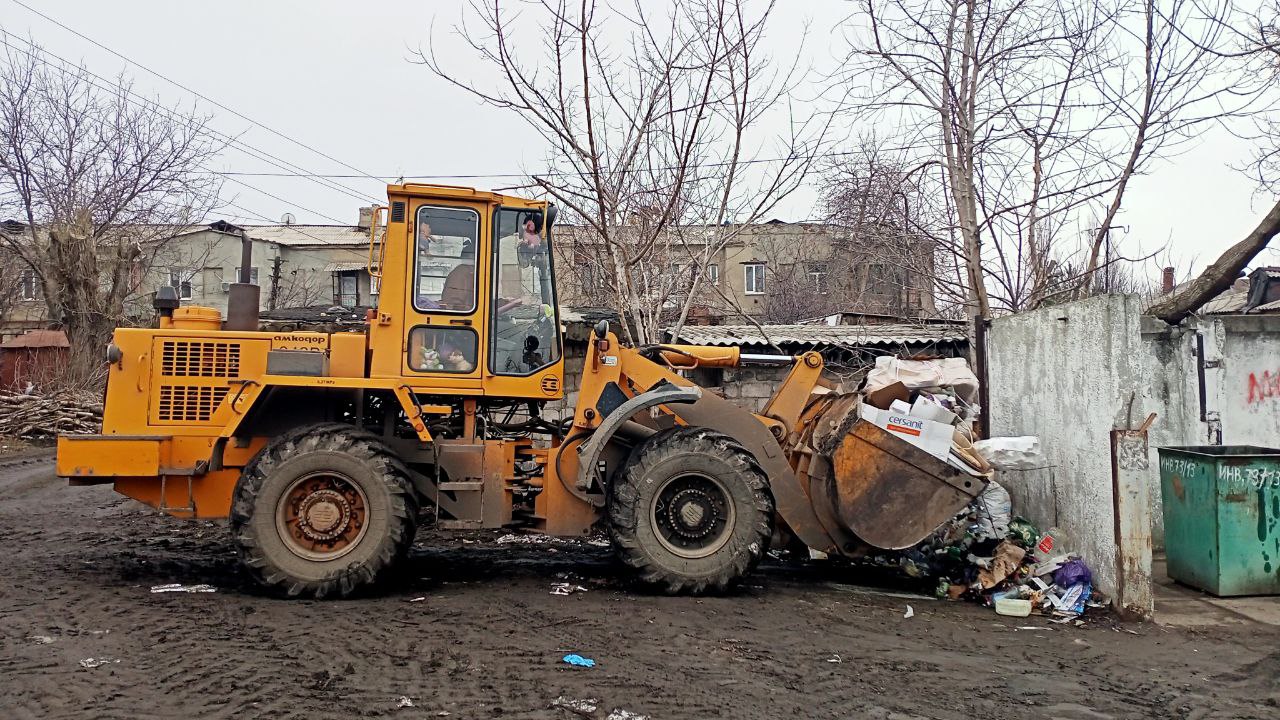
49,415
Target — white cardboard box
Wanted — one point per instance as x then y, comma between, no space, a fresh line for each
932,437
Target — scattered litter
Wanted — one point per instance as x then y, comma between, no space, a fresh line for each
994,523
834,659
1013,607
97,662
404,702
1028,627
1007,559
598,542
564,588
180,588
586,706
875,591
418,599
512,538
40,639
1023,533
909,613
621,714
579,661
1049,566
1072,572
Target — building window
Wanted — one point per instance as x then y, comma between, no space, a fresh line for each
253,275
587,276
346,288
713,273
753,278
180,280
817,277
375,285
28,286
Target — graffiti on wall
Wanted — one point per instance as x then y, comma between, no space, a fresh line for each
1264,386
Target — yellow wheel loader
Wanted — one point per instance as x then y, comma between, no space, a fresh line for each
326,451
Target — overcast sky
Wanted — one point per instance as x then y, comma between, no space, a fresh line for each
336,76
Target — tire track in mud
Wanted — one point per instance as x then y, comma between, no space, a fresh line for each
487,638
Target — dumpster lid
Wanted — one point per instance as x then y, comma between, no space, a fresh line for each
1224,450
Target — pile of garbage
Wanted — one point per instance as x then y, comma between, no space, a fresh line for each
986,555
928,403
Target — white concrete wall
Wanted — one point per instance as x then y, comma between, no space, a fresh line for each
1244,387
1070,374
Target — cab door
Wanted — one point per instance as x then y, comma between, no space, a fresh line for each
445,300
525,358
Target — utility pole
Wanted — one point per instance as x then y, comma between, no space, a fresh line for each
275,282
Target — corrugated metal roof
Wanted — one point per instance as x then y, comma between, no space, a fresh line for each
1227,302
841,335
38,339
345,266
329,235
1273,306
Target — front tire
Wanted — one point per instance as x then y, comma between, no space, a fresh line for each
691,511
323,511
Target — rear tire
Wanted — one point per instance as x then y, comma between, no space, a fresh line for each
691,512
323,511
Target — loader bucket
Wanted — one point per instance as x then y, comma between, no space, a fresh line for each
889,493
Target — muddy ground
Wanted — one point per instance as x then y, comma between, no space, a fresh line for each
473,632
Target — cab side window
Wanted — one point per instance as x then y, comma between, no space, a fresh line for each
445,259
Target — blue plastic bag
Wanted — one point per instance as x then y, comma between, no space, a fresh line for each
580,661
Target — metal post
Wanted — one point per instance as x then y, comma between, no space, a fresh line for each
983,428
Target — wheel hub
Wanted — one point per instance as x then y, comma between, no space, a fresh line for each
321,516
325,514
693,515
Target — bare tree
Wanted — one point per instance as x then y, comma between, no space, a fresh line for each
649,119
304,287
1220,274
895,235
97,184
1038,115
12,284
1258,38
1257,43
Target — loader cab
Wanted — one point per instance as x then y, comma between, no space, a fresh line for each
467,303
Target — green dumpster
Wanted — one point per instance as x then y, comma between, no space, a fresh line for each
1222,517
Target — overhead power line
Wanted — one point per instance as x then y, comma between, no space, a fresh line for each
206,98
291,169
549,173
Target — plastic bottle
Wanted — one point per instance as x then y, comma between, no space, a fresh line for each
1052,543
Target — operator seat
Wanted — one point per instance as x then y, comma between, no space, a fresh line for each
459,288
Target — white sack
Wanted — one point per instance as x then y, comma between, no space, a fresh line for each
1012,453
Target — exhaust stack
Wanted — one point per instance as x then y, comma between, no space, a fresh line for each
243,300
